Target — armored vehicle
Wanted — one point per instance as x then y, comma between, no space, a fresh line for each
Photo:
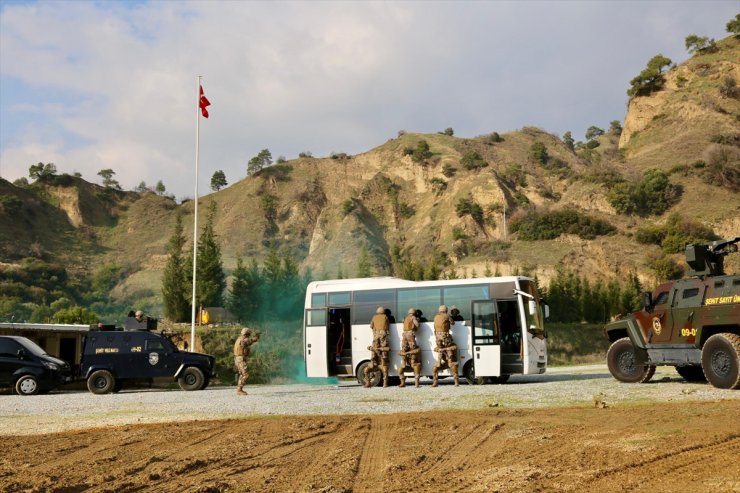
692,324
28,368
112,357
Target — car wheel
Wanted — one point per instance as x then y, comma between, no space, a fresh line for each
720,359
117,386
101,382
692,373
376,376
191,379
622,364
27,385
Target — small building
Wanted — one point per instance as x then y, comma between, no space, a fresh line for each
61,340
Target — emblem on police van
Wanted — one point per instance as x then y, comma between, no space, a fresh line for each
153,358
656,325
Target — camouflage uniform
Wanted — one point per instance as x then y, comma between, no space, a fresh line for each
446,349
242,349
379,349
410,352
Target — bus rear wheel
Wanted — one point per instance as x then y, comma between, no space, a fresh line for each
376,376
622,364
469,374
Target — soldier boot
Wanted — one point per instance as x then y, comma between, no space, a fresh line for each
417,372
453,369
240,391
434,373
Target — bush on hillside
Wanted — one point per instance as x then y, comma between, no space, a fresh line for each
471,160
654,194
549,225
471,208
675,234
651,78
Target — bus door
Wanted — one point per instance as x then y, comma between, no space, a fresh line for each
315,343
486,339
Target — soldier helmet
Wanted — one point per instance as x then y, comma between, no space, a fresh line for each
453,308
380,310
246,331
139,313
442,308
411,311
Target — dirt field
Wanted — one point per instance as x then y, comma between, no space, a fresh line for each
652,447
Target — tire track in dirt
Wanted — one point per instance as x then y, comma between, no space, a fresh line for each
682,462
373,457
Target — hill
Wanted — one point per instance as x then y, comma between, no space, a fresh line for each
422,205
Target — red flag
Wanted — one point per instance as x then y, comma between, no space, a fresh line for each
203,103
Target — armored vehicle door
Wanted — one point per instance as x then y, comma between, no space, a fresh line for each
687,304
316,356
486,339
656,324
152,356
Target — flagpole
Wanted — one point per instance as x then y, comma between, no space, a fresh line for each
195,214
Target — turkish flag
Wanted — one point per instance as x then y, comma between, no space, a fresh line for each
203,103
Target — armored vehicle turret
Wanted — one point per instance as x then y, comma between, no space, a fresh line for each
692,324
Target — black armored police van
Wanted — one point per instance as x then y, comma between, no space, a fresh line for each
112,357
28,368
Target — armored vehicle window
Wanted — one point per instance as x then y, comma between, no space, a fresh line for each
153,344
339,299
8,347
690,293
719,284
661,298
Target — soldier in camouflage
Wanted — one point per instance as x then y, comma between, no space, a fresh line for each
446,349
242,349
410,352
379,349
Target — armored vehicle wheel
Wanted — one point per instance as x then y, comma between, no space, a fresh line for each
376,376
27,385
621,362
692,373
720,359
192,378
101,382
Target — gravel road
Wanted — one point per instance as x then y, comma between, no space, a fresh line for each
560,387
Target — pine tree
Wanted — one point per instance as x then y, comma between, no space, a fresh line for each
174,279
211,280
364,269
244,295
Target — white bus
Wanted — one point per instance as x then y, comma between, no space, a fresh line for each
502,331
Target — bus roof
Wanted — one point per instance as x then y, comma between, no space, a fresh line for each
370,283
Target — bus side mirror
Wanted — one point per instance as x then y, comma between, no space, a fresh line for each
647,301
532,307
546,310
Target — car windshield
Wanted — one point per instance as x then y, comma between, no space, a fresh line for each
32,347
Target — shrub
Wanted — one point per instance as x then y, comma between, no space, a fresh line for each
422,152
675,234
651,78
654,194
550,225
471,160
538,153
438,185
448,170
348,206
470,207
514,174
448,131
665,268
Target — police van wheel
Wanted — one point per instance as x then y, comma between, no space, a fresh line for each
101,382
191,379
720,359
621,361
691,373
27,385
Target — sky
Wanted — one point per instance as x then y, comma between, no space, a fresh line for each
92,85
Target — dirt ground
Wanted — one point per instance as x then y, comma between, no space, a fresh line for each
653,447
